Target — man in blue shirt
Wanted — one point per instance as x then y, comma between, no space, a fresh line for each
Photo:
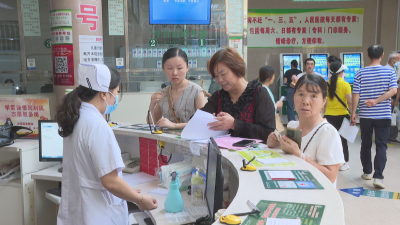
373,86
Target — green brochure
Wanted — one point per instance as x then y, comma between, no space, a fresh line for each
275,159
303,179
308,213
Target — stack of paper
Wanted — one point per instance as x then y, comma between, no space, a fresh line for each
197,127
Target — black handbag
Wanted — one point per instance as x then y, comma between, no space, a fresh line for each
8,133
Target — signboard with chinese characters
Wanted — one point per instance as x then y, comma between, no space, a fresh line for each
62,47
88,15
237,44
235,16
25,112
30,17
91,49
274,28
116,17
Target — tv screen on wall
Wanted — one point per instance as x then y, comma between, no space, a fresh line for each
180,11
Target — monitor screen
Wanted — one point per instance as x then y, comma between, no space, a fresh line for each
214,179
287,59
353,63
50,142
321,64
180,11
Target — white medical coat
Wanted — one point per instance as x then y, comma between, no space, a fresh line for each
90,152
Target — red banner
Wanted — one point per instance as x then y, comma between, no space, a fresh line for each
63,64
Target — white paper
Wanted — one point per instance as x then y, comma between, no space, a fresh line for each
277,221
283,98
197,127
116,17
188,215
159,191
91,49
280,174
31,17
195,148
273,160
138,178
347,131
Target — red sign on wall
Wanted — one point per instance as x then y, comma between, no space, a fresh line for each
88,14
63,65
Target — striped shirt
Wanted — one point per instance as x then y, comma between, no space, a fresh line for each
370,83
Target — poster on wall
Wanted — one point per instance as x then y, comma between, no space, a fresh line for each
62,47
235,16
116,17
91,49
237,44
283,28
30,17
25,112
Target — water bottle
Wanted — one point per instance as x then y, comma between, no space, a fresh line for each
174,201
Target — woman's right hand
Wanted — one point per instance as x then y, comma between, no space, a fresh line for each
272,140
156,97
148,203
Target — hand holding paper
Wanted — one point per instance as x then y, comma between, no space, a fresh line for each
197,127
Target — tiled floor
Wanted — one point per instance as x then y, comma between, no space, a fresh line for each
370,210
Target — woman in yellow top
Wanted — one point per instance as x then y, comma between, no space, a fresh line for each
338,109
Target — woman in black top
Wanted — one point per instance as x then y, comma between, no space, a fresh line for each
245,108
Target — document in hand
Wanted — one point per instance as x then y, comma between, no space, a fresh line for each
347,131
197,127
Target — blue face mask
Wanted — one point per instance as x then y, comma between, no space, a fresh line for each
111,108
396,64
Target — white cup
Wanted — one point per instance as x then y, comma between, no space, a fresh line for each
218,214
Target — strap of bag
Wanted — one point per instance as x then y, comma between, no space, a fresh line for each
170,105
340,100
313,136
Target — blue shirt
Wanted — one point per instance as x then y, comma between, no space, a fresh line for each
370,83
272,96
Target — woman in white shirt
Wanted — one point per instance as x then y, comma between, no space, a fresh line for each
93,191
320,145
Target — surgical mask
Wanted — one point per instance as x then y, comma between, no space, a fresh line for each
396,64
111,108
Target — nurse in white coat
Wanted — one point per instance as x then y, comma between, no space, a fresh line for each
93,191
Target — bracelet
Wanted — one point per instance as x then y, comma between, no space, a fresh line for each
141,201
303,156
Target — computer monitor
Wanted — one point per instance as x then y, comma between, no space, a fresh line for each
354,62
214,179
321,63
50,142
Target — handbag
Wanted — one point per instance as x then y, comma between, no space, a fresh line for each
393,113
8,133
170,105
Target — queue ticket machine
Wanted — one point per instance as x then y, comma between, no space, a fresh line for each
354,62
321,63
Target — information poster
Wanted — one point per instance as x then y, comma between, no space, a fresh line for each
308,213
91,49
237,44
235,16
274,28
30,17
265,154
62,47
25,112
116,17
304,180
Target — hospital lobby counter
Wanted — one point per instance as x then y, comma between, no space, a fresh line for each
250,185
246,185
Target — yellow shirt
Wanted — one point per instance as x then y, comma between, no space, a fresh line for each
334,107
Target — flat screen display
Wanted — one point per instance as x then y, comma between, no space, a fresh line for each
287,59
321,64
211,178
353,63
180,11
51,143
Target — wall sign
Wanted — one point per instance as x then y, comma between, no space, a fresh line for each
31,64
116,17
91,49
274,28
88,15
30,17
235,16
62,47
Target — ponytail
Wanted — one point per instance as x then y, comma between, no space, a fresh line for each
335,66
67,113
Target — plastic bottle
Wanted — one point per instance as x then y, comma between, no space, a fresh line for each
174,201
197,192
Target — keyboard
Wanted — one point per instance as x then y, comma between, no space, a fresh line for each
55,191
